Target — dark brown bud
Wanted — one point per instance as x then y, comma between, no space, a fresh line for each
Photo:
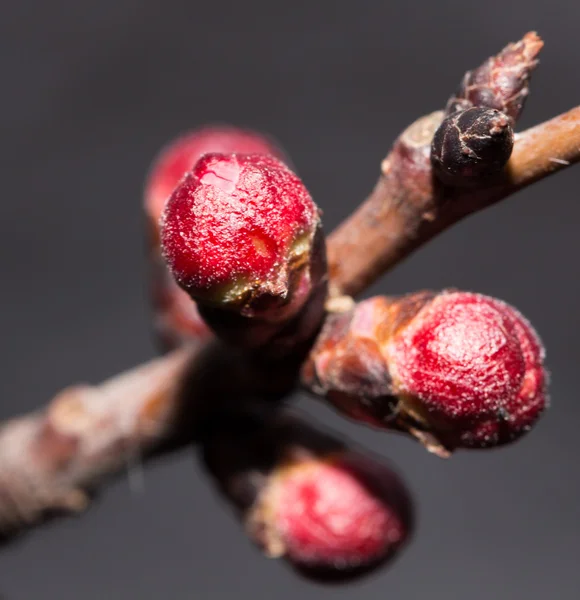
471,145
502,81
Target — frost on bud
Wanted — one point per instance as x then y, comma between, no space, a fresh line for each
179,156
241,234
502,81
453,369
471,146
334,513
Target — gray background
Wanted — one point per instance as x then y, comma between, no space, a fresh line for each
89,92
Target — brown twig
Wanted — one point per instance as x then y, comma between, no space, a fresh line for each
407,207
53,460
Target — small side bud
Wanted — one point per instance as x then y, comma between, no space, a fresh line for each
241,234
502,81
332,512
454,369
471,146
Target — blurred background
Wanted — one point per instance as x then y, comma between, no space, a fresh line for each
91,90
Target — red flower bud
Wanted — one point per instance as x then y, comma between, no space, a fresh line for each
331,511
338,513
238,232
454,369
176,316
475,363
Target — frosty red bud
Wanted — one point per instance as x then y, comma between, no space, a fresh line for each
475,364
454,369
176,317
238,233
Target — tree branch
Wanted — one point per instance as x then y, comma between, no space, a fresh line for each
408,206
52,461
